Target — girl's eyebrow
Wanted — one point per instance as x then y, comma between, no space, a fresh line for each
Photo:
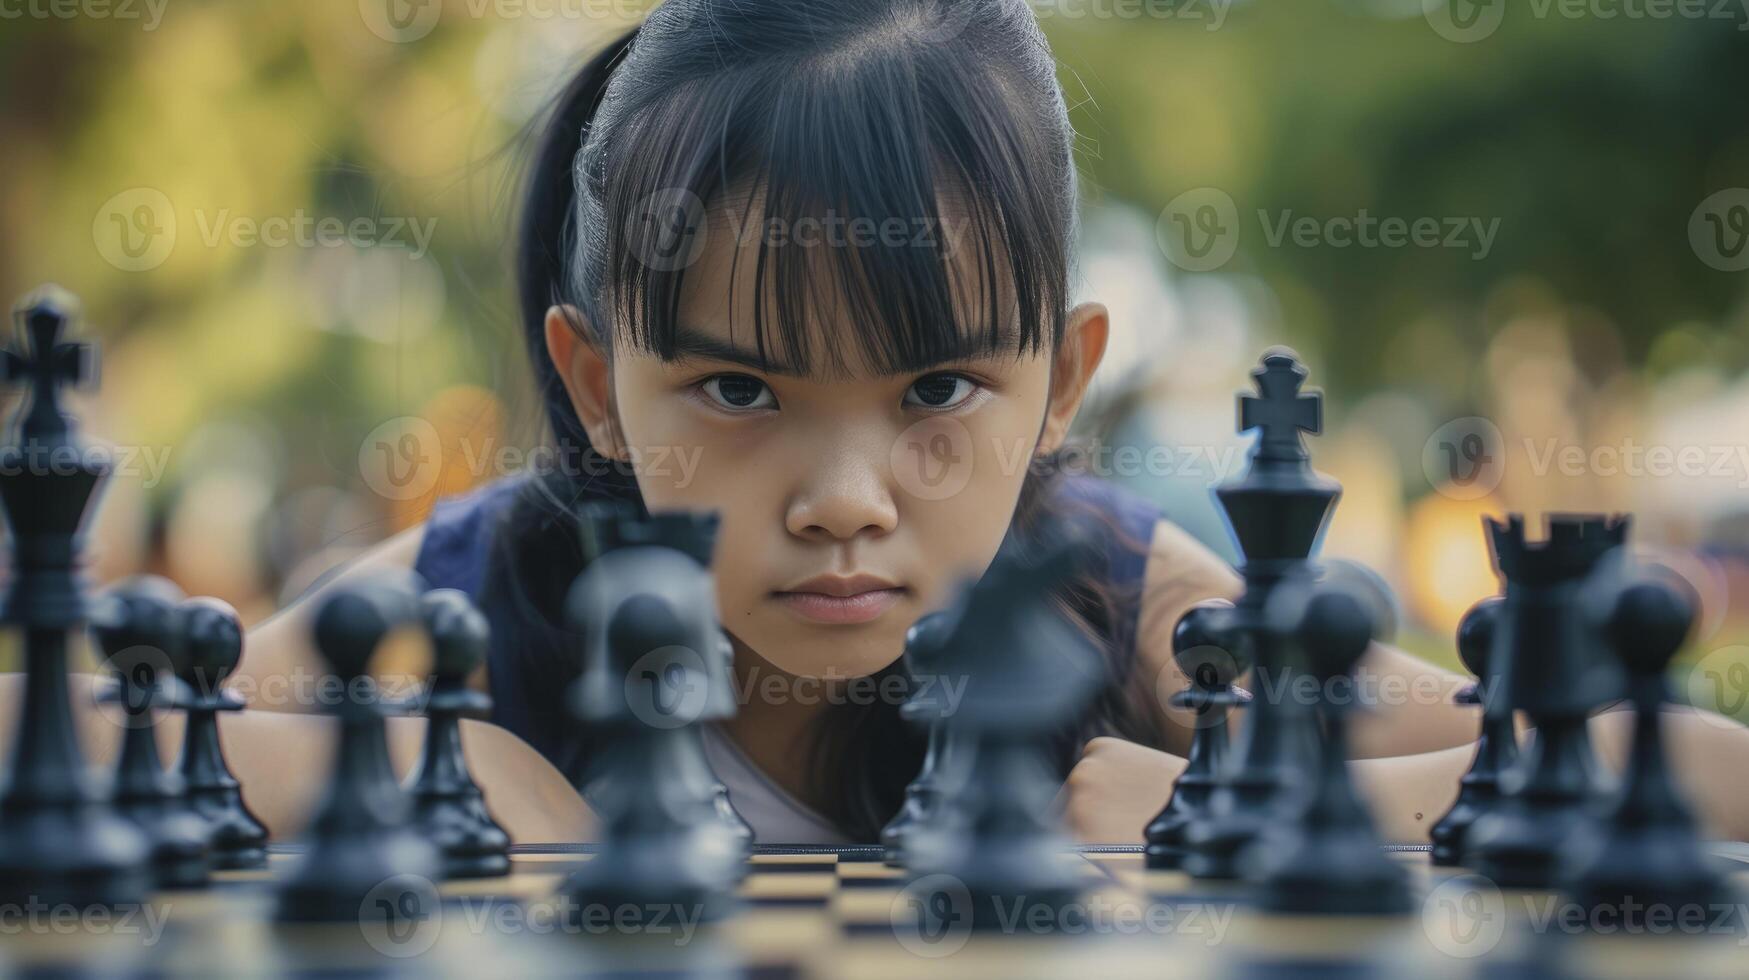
691,343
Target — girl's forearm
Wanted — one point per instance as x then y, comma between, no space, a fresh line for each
1410,793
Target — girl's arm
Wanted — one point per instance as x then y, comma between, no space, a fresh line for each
280,748
283,760
1411,704
280,667
1118,786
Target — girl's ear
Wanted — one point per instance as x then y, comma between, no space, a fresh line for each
587,379
1082,349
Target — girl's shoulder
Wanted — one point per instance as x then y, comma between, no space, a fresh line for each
1145,544
458,533
1119,518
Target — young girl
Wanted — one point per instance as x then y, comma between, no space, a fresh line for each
808,266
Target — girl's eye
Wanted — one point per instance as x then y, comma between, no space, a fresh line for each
941,391
738,391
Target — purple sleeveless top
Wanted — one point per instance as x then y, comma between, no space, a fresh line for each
459,534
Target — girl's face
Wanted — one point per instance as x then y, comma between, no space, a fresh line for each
851,502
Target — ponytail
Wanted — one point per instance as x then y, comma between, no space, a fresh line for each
536,547
544,243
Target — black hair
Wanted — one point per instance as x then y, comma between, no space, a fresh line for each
869,109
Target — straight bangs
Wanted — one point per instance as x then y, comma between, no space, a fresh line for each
886,192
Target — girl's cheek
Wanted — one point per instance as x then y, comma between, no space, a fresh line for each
673,457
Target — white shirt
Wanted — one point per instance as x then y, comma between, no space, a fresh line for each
775,816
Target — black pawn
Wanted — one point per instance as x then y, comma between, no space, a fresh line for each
1029,676
1496,746
722,684
1327,859
612,525
1647,851
647,615
363,862
1201,644
927,706
139,630
214,639
60,844
448,808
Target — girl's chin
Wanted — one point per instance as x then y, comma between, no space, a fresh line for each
837,653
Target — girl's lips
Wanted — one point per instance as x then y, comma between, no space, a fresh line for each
840,610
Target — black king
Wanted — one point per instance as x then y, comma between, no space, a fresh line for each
59,843
1277,511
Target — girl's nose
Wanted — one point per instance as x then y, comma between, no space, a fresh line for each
843,495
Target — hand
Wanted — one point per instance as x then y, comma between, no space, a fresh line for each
1115,790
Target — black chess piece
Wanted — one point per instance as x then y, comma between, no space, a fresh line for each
722,685
1029,675
364,863
1326,859
927,706
1546,662
647,616
1496,745
609,525
60,842
1277,511
213,637
448,807
139,630
1647,851
1200,644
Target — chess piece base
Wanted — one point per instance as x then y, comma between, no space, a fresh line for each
471,842
74,855
1335,876
361,877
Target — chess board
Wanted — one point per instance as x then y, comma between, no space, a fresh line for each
839,912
